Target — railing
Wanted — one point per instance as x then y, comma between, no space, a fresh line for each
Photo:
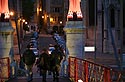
4,68
87,71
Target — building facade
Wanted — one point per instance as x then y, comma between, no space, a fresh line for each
104,21
52,14
99,17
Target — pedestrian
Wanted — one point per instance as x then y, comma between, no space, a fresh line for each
44,63
29,60
35,35
62,69
37,64
13,68
56,57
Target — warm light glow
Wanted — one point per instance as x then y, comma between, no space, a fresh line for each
4,8
23,20
74,6
42,16
40,9
37,9
80,80
20,19
51,19
11,13
7,15
26,23
60,22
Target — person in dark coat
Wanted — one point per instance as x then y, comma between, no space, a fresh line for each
44,64
56,58
29,60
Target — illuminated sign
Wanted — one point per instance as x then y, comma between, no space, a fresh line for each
89,49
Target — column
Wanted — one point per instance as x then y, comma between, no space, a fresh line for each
6,48
6,39
75,38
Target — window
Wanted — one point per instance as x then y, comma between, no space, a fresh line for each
91,5
112,17
124,14
57,9
54,18
56,2
60,18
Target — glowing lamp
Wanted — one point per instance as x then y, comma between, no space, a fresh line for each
4,8
40,9
60,22
23,20
11,13
51,19
7,15
42,16
74,7
26,23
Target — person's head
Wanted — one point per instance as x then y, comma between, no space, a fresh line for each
44,50
56,46
28,46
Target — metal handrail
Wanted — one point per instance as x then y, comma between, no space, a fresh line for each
87,71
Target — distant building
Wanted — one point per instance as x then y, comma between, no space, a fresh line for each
52,14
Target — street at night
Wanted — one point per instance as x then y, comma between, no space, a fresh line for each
62,40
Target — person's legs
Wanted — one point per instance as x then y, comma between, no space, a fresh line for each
54,75
29,73
57,73
44,75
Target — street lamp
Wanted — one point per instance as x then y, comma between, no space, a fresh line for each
19,31
60,22
40,9
11,13
42,17
14,15
26,23
39,17
23,20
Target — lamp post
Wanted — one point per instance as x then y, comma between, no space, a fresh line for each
95,33
121,38
17,30
22,21
39,17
